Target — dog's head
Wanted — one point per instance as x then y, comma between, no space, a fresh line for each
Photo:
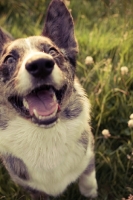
37,73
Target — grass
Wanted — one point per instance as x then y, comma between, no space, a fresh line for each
104,31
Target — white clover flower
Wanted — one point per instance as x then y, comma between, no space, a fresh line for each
130,123
106,133
89,60
124,70
128,157
130,197
131,116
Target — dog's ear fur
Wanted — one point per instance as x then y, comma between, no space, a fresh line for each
59,25
4,38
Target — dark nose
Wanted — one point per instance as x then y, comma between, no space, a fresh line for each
39,67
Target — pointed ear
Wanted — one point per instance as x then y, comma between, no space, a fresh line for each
4,38
59,25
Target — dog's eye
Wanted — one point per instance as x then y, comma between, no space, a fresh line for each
8,67
53,52
9,60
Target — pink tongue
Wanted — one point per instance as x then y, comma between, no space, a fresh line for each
44,102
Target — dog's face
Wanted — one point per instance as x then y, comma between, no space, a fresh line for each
37,73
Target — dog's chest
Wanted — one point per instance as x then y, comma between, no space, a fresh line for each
41,148
43,152
57,165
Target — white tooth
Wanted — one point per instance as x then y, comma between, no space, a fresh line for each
35,113
44,117
54,97
52,115
40,117
25,104
42,126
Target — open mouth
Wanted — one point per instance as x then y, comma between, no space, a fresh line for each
42,105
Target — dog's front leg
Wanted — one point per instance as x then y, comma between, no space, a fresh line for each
87,181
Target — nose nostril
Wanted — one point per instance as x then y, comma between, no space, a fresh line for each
32,68
49,64
40,67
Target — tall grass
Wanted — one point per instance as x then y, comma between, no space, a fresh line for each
104,30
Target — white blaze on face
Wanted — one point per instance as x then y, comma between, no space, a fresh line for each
28,44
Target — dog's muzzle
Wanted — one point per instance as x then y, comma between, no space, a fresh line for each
42,104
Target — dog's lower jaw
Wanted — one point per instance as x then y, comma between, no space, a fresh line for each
46,126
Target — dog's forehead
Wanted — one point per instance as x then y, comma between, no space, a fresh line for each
35,41
30,43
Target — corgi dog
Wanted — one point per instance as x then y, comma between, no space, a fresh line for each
46,141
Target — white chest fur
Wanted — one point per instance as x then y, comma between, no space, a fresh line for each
53,157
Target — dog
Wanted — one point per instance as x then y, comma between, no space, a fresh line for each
46,141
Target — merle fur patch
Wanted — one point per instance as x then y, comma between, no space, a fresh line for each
3,125
3,118
16,167
74,108
90,167
84,139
